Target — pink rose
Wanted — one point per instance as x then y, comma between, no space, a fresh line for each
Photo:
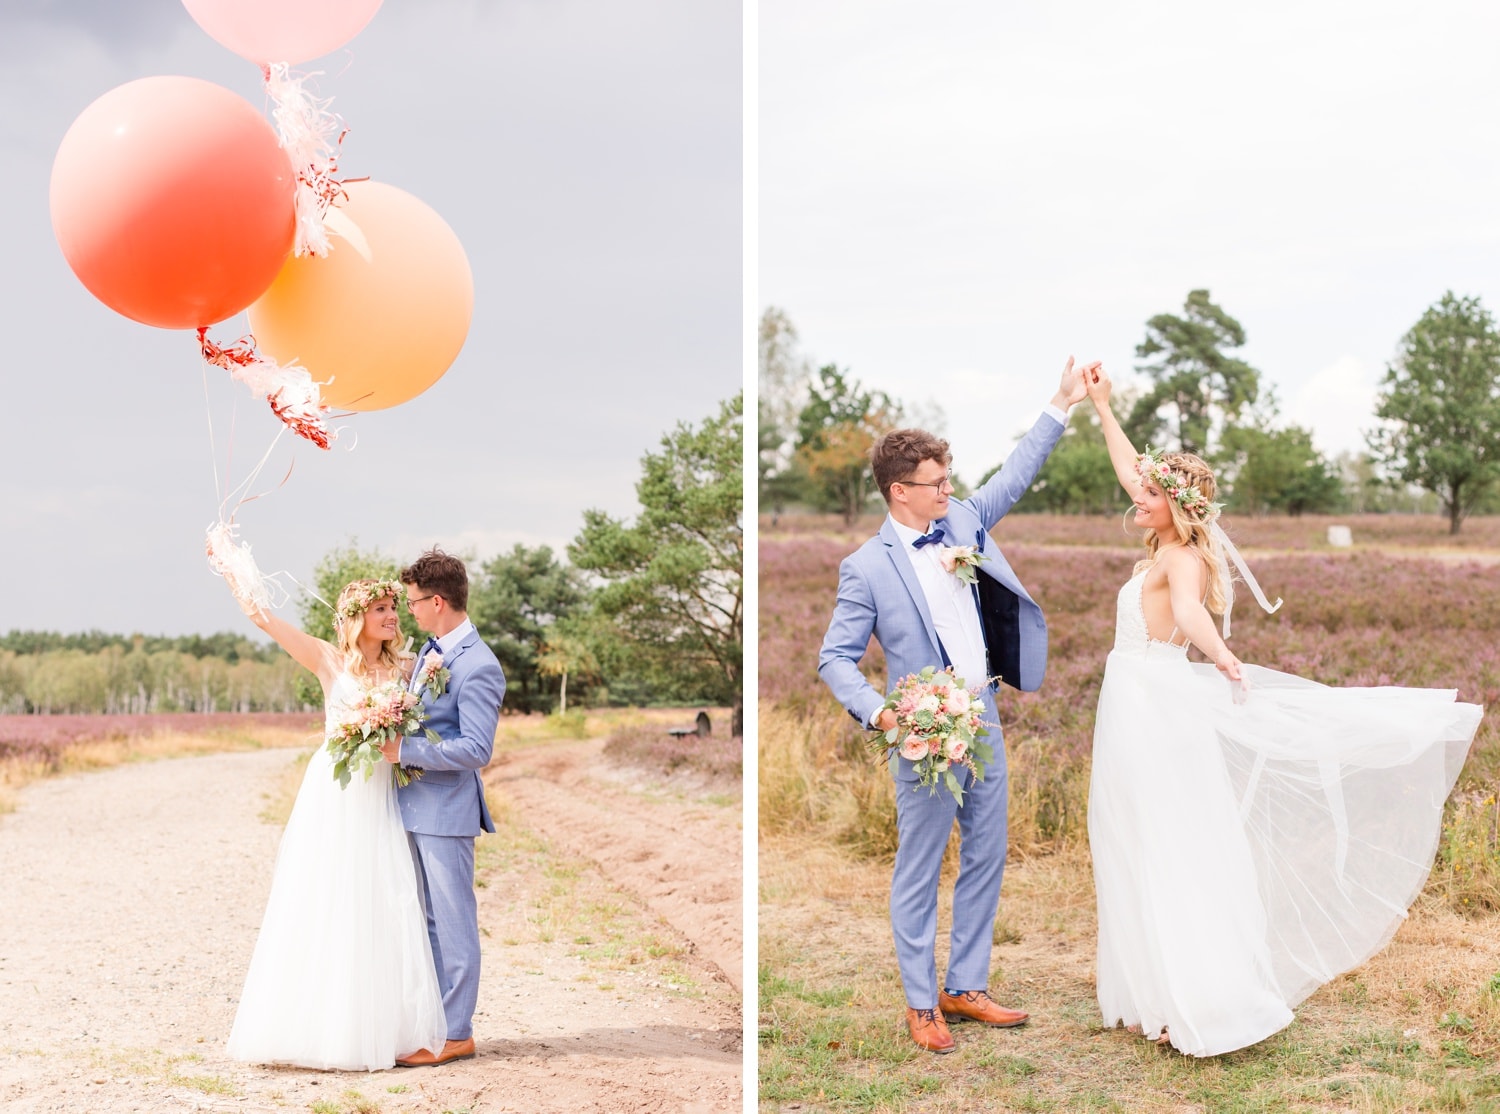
957,703
956,749
950,555
914,748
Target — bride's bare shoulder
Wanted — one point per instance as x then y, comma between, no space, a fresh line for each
1182,562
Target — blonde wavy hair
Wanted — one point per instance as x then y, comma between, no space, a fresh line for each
1192,526
349,624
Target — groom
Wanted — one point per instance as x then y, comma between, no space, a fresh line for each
444,810
896,588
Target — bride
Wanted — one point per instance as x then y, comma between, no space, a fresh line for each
1253,834
342,976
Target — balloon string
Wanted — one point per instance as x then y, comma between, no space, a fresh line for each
213,448
245,484
306,589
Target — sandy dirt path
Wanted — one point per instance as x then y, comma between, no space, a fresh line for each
675,851
132,897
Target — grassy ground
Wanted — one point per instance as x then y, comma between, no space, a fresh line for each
1417,1028
1414,1029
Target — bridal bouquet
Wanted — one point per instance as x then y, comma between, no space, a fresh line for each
384,713
937,728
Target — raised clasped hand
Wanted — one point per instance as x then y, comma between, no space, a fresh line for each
1097,383
1075,380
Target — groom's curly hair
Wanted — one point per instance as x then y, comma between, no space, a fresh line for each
896,456
440,574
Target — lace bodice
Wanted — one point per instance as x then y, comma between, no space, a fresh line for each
1131,636
345,691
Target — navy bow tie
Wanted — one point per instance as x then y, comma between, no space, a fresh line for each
430,644
934,538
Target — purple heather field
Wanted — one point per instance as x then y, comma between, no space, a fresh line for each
1405,608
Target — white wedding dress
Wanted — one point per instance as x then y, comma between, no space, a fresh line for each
1246,853
342,976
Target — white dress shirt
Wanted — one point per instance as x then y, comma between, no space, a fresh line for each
445,646
955,613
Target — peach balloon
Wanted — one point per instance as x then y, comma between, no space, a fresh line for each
266,31
172,201
384,314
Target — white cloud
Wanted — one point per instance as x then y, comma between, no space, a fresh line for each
993,186
1338,403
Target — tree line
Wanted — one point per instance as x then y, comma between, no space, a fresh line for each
639,612
1434,444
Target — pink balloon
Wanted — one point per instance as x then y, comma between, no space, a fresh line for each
172,201
266,31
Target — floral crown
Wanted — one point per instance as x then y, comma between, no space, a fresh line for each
359,596
1185,495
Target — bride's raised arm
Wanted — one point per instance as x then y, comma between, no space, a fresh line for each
1122,453
307,651
311,653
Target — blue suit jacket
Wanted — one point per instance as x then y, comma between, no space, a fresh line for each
448,799
879,594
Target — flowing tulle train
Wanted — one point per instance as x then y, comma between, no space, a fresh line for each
1247,852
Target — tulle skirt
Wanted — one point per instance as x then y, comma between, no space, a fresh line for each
342,976
1246,853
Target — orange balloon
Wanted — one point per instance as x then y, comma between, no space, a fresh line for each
384,314
172,201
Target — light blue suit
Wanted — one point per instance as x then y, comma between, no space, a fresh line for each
879,595
444,810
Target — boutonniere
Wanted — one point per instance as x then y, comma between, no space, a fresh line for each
432,676
961,561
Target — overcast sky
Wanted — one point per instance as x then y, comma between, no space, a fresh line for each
586,152
956,196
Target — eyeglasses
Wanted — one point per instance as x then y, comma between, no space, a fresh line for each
946,481
411,602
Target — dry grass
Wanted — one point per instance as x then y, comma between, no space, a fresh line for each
18,771
536,729
1417,1028
718,757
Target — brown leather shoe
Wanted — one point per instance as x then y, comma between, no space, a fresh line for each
452,1050
929,1030
977,1005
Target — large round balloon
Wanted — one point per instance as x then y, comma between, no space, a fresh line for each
266,31
172,200
384,313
